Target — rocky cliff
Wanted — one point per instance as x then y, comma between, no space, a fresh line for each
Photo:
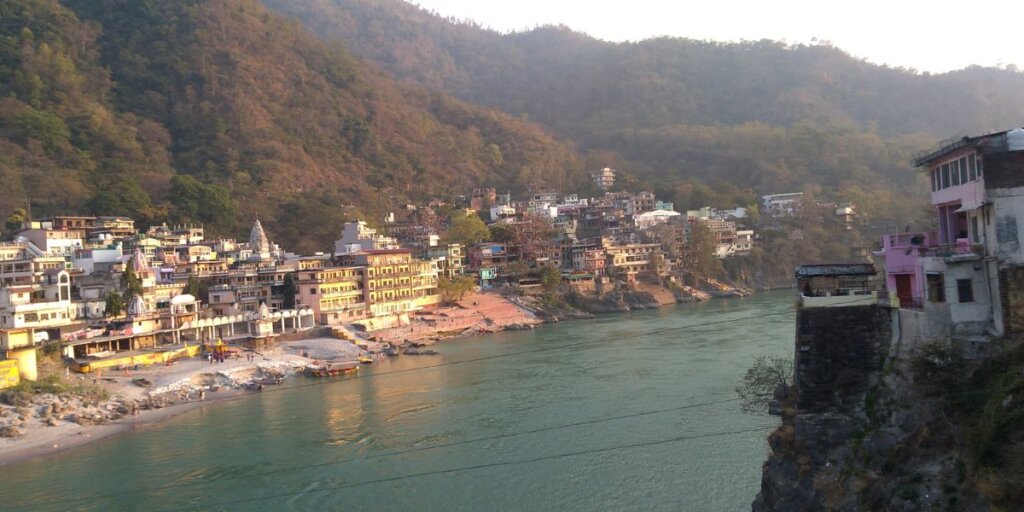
616,301
874,425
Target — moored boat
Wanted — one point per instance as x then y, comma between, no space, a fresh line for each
332,369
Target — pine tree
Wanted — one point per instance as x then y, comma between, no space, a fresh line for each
115,304
289,291
130,283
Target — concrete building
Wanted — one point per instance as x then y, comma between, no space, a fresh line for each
653,218
603,179
357,236
965,279
396,284
55,242
102,258
781,205
837,285
448,258
629,260
244,289
336,295
35,289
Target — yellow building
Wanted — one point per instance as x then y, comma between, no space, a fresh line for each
335,294
17,344
396,283
630,259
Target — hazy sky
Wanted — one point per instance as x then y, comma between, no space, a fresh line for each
932,36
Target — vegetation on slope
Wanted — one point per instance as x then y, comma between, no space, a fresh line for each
216,111
752,117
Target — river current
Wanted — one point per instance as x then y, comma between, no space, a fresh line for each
629,411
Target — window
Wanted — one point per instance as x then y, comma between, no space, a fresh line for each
954,169
935,179
974,168
945,176
980,166
963,169
974,230
964,290
312,291
936,288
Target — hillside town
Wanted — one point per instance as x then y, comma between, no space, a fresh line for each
109,295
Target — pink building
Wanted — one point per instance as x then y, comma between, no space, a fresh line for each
903,271
954,274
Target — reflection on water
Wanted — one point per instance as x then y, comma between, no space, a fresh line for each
371,443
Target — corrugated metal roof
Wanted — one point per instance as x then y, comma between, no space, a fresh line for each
836,269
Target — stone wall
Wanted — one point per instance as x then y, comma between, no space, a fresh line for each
1011,289
836,350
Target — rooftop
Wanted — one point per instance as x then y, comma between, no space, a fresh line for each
996,141
836,269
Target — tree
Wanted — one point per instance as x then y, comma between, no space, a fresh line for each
502,233
14,221
115,305
130,283
289,291
769,377
192,287
467,229
198,202
550,278
699,258
454,288
516,269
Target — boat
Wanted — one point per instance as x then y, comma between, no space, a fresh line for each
365,359
332,369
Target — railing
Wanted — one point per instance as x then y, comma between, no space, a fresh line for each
946,251
858,298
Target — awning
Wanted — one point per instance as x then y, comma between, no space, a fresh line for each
967,208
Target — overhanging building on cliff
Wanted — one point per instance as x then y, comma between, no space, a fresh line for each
967,277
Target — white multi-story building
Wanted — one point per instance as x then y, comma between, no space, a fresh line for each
603,179
781,205
357,236
35,289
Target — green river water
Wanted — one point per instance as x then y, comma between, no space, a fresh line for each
481,435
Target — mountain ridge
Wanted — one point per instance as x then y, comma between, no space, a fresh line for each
669,109
218,111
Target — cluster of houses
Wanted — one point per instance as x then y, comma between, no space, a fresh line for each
618,234
115,295
964,280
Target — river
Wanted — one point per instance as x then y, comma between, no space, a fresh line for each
577,416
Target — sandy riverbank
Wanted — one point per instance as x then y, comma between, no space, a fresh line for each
476,313
40,424
47,424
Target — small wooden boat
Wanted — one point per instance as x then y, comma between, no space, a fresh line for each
332,369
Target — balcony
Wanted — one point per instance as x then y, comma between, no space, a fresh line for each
343,307
954,253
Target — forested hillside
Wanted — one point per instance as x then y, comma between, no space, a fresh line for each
683,113
219,110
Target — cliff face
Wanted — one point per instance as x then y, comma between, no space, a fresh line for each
871,428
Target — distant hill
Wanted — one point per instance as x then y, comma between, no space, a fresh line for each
757,114
221,110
